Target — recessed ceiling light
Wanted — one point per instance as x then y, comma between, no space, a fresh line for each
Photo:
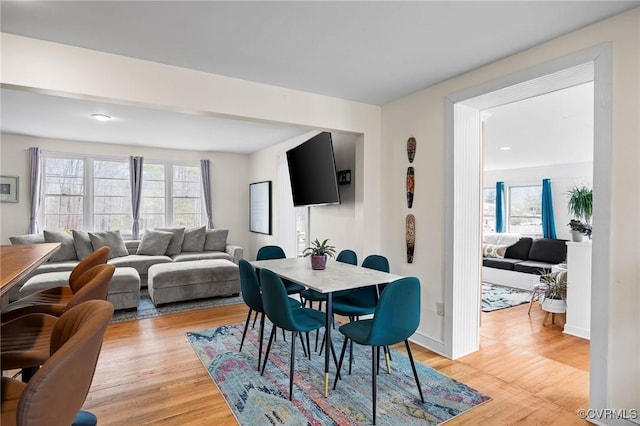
101,117
505,148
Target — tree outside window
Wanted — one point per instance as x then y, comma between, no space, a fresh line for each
489,210
63,193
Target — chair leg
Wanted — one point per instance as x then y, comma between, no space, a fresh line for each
533,295
291,368
254,320
244,333
335,359
266,356
303,348
375,353
261,337
350,356
28,372
387,358
413,367
344,349
308,346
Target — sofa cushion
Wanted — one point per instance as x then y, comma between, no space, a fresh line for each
83,244
184,257
175,245
493,250
507,264
67,265
67,248
27,239
533,267
44,282
111,239
140,263
519,250
194,239
548,250
216,240
154,242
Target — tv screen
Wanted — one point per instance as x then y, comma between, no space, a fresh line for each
312,170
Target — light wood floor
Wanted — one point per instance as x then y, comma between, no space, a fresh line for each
148,373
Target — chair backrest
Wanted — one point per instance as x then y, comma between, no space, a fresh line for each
57,391
250,286
270,252
397,314
377,262
275,300
347,256
98,257
93,285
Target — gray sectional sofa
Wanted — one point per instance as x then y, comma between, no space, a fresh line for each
134,258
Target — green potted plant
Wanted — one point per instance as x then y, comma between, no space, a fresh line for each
319,252
555,295
580,205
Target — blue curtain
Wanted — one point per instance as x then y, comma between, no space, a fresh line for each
501,208
548,223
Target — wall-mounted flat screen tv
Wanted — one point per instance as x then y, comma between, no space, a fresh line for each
312,170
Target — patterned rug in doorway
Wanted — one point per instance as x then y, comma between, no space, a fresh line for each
495,297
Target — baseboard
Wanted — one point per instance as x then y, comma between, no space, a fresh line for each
577,331
427,342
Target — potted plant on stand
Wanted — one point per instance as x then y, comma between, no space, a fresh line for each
555,295
580,205
319,252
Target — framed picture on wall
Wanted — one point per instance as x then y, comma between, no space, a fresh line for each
260,207
9,189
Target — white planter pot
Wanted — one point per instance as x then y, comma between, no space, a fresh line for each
577,236
555,306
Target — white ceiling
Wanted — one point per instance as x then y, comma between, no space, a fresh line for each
372,52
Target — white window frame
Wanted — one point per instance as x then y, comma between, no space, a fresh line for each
509,215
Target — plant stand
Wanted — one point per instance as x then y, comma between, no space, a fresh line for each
553,307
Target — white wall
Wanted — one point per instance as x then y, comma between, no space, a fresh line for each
422,115
228,184
336,222
563,177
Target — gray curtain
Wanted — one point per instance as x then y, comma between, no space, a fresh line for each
135,177
206,190
35,178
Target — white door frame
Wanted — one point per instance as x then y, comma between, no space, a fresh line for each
463,188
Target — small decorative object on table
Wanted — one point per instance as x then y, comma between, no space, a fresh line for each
319,251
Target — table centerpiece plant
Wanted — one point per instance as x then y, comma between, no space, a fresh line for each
319,252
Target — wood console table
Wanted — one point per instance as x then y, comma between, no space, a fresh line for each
17,263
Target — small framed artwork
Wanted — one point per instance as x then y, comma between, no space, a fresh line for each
260,207
9,189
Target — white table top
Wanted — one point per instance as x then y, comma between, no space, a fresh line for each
337,275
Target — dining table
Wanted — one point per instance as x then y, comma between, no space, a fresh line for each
336,276
17,263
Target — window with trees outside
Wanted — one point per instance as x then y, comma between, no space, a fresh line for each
489,209
525,210
95,194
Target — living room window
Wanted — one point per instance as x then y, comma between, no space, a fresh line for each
111,195
186,196
153,196
63,193
489,209
525,210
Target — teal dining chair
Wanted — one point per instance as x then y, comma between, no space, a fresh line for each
276,252
281,314
396,318
252,296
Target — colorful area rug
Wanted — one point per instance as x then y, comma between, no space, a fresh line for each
264,400
495,297
146,308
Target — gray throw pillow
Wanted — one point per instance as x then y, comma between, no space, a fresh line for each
216,240
194,239
83,244
67,249
175,245
111,239
27,239
154,242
